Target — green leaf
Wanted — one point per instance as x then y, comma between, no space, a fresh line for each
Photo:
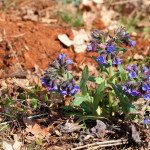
79,99
121,50
98,95
69,76
39,141
120,68
123,100
96,80
83,82
114,76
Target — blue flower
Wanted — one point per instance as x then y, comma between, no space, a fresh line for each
110,49
118,61
135,93
90,47
54,88
129,68
146,121
147,97
128,91
134,66
74,90
61,56
132,74
144,69
63,92
145,87
132,43
101,60
69,61
148,77
44,82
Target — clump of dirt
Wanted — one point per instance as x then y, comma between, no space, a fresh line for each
32,43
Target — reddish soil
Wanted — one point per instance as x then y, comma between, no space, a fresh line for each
31,43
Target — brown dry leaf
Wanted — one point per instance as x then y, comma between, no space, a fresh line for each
138,57
97,131
7,146
70,127
35,129
135,134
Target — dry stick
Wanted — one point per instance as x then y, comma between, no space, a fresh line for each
108,145
27,117
5,37
17,35
123,2
102,144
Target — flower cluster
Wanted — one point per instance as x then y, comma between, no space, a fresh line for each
55,78
146,121
109,49
60,65
123,37
138,83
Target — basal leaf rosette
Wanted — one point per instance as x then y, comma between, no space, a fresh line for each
138,83
55,78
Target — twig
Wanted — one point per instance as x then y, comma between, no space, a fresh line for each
5,37
124,2
27,117
103,144
17,35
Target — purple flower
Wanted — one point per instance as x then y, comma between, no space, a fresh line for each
146,121
117,62
44,82
128,91
90,47
132,43
129,68
54,88
132,74
63,92
110,49
61,56
148,77
147,97
104,46
144,69
135,93
134,66
101,60
69,61
75,89
145,87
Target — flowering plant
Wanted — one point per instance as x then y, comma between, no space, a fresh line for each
116,88
58,79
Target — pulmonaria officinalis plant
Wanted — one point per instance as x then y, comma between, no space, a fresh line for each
58,79
116,88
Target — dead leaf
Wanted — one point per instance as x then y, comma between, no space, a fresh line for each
97,131
35,129
70,127
65,40
79,40
135,134
7,146
17,145
138,57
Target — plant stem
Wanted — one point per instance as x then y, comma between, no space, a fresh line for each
110,93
